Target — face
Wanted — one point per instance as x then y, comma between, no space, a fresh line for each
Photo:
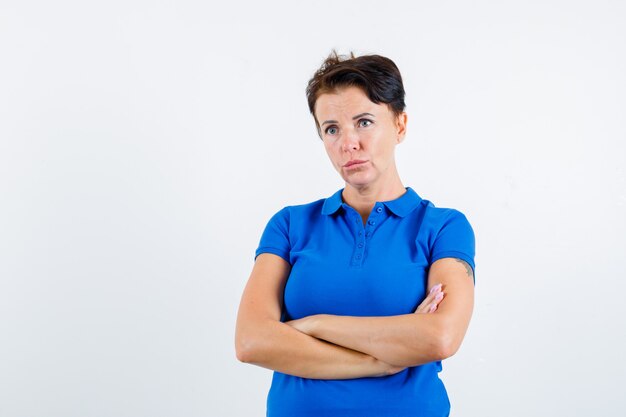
359,136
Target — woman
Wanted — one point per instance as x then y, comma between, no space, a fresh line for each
355,299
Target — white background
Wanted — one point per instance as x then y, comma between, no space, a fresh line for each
144,146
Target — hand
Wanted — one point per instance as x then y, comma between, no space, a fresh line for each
432,300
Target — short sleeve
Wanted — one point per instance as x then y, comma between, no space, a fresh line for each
275,237
455,239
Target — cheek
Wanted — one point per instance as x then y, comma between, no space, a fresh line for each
332,155
331,150
384,153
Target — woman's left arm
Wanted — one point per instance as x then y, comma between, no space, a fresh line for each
408,339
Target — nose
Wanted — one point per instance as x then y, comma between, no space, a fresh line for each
350,141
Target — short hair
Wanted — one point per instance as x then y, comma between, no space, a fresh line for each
376,75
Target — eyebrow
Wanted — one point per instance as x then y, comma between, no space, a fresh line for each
354,118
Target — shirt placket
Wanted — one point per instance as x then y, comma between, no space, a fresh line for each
364,233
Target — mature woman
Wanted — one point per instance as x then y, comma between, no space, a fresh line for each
346,298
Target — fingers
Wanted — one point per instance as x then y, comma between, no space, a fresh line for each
435,289
433,306
432,300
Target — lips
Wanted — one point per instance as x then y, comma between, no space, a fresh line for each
354,162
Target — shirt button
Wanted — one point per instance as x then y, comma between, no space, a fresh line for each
379,210
358,256
360,245
360,233
372,222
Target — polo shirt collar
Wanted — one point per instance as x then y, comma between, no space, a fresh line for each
404,204
332,203
401,206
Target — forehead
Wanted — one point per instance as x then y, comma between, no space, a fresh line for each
345,101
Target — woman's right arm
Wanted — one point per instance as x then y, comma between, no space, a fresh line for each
262,339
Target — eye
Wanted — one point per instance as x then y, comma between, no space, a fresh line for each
365,122
331,130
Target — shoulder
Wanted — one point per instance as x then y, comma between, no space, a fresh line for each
314,207
449,233
438,217
445,227
298,213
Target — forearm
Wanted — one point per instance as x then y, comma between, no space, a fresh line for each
404,340
408,339
277,346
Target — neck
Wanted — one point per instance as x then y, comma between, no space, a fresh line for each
363,198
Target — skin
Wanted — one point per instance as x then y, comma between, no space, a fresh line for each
262,339
338,347
409,339
371,137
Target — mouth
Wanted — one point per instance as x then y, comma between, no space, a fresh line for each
354,163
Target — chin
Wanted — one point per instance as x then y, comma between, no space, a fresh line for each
358,181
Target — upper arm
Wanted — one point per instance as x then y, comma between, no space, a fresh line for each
455,310
453,252
261,302
263,294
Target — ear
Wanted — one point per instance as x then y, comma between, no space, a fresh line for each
401,121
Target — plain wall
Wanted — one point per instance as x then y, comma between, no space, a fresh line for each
144,146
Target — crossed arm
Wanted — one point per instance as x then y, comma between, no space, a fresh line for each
343,347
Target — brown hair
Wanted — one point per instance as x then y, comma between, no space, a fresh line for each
376,75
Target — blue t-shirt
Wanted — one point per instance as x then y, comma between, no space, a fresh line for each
341,266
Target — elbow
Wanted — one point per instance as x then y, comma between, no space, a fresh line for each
446,339
446,349
251,346
241,352
244,344
253,341
245,349
446,345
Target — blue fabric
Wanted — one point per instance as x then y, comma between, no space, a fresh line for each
341,266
